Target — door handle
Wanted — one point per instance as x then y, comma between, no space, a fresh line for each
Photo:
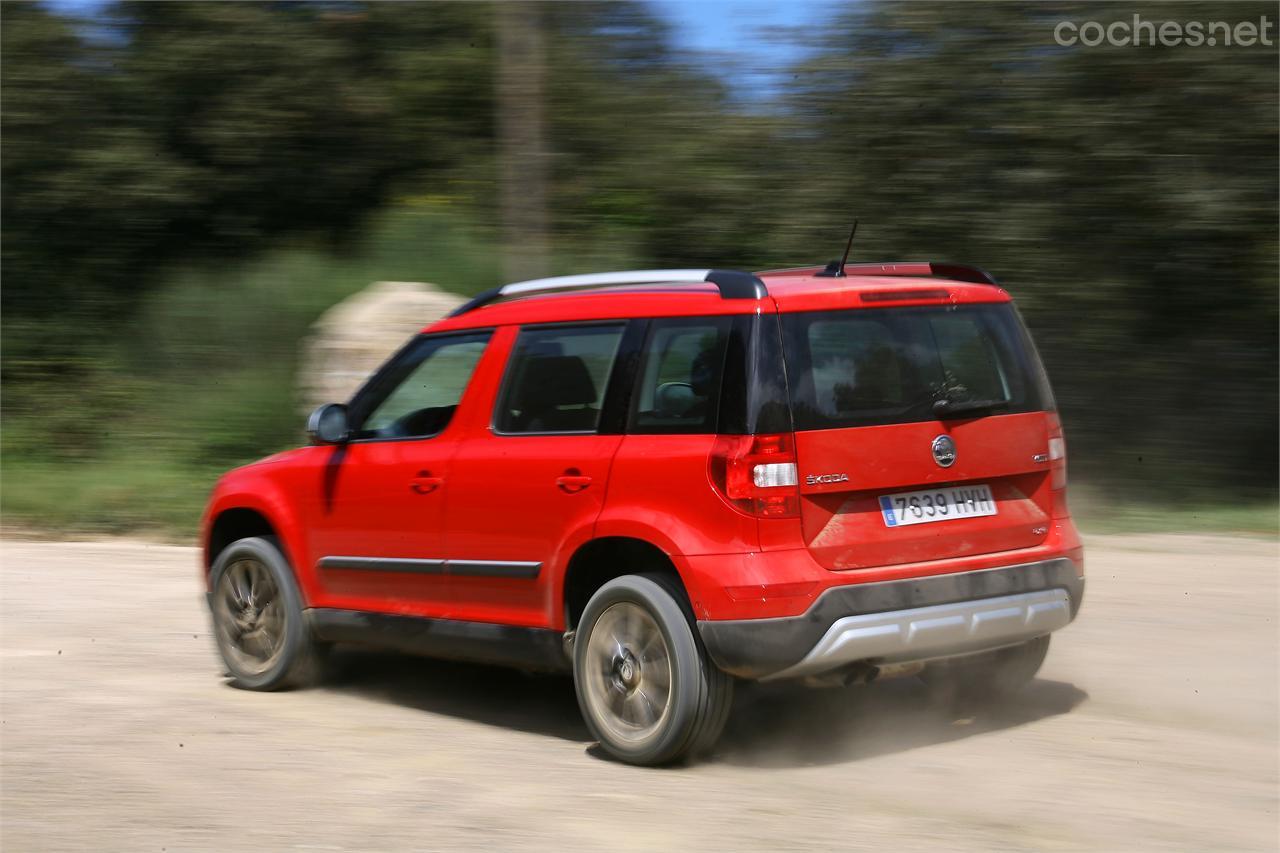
572,481
424,483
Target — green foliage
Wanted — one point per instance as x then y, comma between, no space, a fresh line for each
1126,196
190,185
188,132
203,378
112,495
1094,513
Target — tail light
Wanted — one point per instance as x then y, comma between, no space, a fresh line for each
757,474
1058,467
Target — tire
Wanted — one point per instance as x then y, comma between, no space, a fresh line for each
989,677
636,632
257,618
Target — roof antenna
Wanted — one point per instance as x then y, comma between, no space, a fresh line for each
835,269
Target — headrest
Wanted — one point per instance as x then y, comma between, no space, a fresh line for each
551,381
674,400
702,372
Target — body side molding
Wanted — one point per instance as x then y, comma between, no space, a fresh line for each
453,639
467,568
383,564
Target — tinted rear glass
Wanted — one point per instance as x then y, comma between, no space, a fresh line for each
887,366
680,376
556,379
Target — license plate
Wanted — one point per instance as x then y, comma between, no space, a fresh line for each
932,505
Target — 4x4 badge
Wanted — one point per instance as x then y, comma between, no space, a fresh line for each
944,451
816,479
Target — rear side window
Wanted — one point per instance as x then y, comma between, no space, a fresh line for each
885,366
418,392
556,379
680,376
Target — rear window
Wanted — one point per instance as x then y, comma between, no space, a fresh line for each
888,366
679,387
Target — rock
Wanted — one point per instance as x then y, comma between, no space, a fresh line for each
353,338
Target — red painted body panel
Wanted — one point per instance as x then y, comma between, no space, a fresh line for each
360,503
498,497
568,307
511,498
661,483
842,522
268,487
718,583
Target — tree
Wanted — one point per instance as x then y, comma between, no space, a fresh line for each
521,104
1126,195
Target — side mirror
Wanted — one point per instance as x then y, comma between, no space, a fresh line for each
328,424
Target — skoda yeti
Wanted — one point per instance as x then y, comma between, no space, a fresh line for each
669,481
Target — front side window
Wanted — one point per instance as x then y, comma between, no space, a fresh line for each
556,379
418,393
680,376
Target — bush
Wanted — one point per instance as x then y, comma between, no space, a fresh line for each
205,379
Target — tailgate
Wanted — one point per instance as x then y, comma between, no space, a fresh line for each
843,522
872,390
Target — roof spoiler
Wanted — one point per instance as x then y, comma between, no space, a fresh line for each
955,272
732,284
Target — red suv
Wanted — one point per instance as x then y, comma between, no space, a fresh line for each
668,480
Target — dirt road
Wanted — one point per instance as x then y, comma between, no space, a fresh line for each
1153,726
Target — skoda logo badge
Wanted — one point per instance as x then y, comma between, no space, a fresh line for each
944,451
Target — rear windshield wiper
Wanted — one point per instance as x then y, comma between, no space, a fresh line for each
947,408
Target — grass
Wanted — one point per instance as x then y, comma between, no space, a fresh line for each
1253,519
107,496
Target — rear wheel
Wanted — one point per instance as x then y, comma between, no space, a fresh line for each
257,617
991,676
646,687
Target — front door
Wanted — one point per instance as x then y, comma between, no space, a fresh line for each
378,507
528,486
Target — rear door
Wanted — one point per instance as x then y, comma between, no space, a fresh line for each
888,473
532,482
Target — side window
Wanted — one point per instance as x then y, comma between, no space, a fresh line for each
418,393
680,376
556,379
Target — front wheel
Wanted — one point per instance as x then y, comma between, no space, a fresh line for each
257,617
647,689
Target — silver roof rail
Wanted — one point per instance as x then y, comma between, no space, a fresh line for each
732,284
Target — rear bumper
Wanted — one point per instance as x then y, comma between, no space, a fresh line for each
906,620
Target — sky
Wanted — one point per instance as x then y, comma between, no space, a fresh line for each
747,42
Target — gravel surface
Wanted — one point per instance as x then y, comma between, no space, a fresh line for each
1153,726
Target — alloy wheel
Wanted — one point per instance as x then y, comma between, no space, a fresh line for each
628,673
